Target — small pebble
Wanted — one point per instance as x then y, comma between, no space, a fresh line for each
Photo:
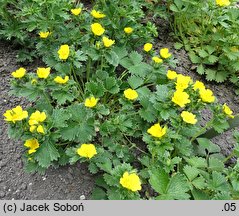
82,197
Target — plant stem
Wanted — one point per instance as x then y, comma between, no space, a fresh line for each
229,157
133,145
202,130
88,69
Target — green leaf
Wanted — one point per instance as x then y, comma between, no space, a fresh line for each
212,59
203,53
159,180
111,85
95,88
120,51
98,194
178,45
140,70
220,125
80,56
162,92
215,164
218,76
93,168
205,143
174,8
59,118
200,69
46,153
112,58
126,62
114,194
63,68
200,195
199,183
235,65
82,132
218,182
224,195
197,162
191,172
30,93
135,57
177,188
62,96
194,58
93,53
148,114
105,164
135,81
79,112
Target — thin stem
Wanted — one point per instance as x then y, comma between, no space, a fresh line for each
133,145
202,130
229,157
88,69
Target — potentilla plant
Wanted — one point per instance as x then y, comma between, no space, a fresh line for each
135,121
209,31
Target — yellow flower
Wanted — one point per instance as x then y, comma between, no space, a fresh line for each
43,72
40,129
171,74
206,95
198,85
87,150
91,102
97,14
182,82
76,11
15,114
157,60
128,30
130,94
97,29
165,53
130,181
60,80
180,98
34,121
148,47
19,73
108,42
64,52
157,131
189,117
44,34
223,2
33,144
227,110
37,117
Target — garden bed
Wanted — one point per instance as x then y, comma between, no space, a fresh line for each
75,182
68,125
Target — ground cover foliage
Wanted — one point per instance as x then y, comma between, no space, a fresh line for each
106,97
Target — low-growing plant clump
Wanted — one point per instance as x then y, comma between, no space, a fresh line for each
209,32
127,113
